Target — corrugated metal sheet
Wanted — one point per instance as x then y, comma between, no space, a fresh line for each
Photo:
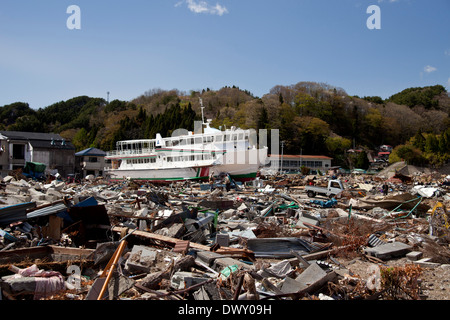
278,247
53,209
15,213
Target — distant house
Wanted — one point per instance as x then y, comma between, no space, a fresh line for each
386,148
18,148
90,161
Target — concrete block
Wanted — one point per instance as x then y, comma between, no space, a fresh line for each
414,255
309,280
8,179
141,259
425,262
181,280
174,231
227,214
389,250
302,219
291,286
208,257
19,285
221,263
223,240
16,190
55,193
311,275
20,198
36,195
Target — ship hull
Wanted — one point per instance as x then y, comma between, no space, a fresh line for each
159,175
237,173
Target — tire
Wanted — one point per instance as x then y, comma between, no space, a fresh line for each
311,194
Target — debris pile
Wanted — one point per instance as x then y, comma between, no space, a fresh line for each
267,240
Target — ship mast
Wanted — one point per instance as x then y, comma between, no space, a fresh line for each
202,107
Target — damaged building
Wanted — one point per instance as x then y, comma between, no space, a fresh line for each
18,148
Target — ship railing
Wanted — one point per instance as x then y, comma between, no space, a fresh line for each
132,152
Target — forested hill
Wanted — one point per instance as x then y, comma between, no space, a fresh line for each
313,118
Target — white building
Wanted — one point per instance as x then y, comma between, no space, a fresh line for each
293,163
91,161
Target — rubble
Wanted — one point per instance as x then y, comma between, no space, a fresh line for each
98,240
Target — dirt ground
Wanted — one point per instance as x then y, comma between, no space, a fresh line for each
434,282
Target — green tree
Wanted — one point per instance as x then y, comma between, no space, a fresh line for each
431,144
444,142
311,134
337,147
418,140
408,153
419,96
362,162
263,120
81,140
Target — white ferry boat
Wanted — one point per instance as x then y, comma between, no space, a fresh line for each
189,156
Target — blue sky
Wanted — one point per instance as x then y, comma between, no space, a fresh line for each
129,47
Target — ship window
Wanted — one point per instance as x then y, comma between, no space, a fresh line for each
168,143
241,136
198,140
183,142
235,137
226,137
219,138
175,142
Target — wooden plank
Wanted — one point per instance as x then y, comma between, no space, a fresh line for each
154,236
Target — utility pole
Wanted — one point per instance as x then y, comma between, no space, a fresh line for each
282,151
107,97
301,159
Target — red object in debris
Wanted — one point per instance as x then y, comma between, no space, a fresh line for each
181,246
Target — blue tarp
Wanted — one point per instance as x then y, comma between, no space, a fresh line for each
89,202
325,204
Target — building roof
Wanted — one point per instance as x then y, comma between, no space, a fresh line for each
297,157
39,140
93,152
